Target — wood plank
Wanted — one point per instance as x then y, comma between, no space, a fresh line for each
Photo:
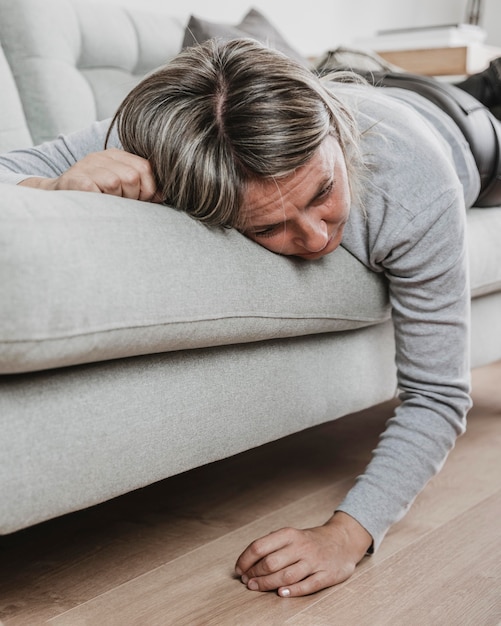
451,576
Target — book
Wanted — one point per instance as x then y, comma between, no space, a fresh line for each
448,61
415,38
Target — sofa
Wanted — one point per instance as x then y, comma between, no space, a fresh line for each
136,343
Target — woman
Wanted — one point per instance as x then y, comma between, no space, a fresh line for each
240,136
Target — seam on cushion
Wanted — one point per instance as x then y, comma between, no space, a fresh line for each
80,39
138,47
362,321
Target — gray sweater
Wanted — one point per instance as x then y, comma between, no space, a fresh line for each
411,227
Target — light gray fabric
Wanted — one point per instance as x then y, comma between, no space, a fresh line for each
52,158
486,329
75,61
484,228
14,132
452,139
413,230
87,277
78,436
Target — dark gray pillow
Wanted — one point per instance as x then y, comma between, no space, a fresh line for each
254,25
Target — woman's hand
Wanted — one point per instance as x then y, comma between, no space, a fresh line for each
300,562
112,171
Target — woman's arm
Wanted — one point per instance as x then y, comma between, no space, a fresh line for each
429,290
427,270
111,171
79,162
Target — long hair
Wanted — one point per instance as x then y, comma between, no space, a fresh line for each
223,114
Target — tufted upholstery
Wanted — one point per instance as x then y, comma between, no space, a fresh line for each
73,61
14,131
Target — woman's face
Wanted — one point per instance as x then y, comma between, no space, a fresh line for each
303,214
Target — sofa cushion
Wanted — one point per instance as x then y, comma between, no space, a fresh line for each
254,25
87,277
75,61
76,436
484,228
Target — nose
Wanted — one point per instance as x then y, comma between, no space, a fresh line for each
313,234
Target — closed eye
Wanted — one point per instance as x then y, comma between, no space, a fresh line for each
323,193
269,231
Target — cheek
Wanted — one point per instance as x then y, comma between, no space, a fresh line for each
345,196
339,207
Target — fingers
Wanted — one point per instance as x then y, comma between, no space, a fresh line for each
284,577
275,562
136,178
298,579
312,584
294,581
261,548
113,172
298,562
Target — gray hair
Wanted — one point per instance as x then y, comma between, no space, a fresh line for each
223,114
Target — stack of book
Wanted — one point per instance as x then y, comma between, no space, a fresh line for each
452,49
420,37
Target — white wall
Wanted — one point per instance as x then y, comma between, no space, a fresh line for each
313,26
491,21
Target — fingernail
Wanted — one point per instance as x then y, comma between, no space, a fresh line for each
285,593
245,579
252,585
238,571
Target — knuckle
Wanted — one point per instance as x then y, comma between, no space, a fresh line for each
144,166
113,182
304,588
132,177
289,577
290,533
301,589
257,548
269,564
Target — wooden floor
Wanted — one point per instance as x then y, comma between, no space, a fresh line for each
164,555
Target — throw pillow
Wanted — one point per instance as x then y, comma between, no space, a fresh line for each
254,25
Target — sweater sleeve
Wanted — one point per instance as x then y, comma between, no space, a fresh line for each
52,158
426,266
